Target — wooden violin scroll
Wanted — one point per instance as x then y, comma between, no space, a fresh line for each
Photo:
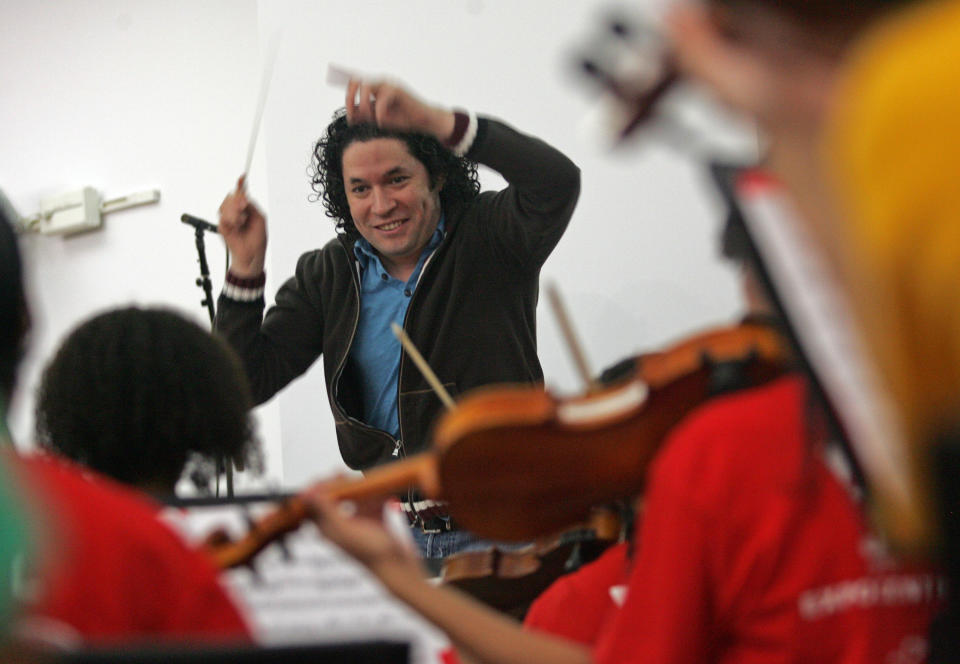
227,553
630,61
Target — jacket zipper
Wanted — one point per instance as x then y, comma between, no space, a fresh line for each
406,315
399,450
355,276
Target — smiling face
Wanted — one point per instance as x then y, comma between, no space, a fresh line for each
391,201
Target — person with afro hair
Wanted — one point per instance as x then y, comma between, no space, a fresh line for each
141,394
84,560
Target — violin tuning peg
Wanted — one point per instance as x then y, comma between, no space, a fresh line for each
596,71
590,67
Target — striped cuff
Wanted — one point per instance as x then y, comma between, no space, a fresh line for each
244,290
426,509
464,132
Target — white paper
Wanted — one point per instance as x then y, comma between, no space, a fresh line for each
319,594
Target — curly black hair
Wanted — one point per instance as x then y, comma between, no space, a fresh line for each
460,183
136,393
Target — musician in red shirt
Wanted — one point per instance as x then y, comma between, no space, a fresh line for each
103,568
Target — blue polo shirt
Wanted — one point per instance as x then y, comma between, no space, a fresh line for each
376,351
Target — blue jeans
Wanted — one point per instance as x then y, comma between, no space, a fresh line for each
446,543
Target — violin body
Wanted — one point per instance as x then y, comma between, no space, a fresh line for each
518,463
510,579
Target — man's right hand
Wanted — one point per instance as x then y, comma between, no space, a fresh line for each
244,229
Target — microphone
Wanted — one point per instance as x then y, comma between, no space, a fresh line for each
198,223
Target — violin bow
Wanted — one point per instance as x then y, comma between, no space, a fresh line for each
422,365
570,337
270,59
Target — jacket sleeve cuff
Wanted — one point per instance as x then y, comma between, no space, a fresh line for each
464,132
244,290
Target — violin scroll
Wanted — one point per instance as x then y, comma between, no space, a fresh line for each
631,62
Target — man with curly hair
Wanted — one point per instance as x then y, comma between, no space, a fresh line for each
418,245
140,395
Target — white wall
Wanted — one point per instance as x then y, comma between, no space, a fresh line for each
126,96
123,96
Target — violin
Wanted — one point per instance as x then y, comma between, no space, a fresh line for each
519,462
515,462
508,580
417,471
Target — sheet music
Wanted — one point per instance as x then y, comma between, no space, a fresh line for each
319,594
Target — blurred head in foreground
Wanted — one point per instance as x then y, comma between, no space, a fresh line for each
891,150
137,393
873,71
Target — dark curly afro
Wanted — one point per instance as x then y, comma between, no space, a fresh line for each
136,393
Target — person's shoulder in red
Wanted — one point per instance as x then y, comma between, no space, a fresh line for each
754,549
577,605
712,456
112,570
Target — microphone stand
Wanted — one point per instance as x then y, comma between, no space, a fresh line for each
203,282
